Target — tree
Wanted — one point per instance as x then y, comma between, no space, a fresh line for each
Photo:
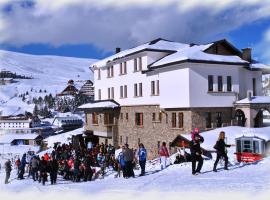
36,110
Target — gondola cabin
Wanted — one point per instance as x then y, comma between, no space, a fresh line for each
250,148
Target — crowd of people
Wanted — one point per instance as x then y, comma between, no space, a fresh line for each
87,163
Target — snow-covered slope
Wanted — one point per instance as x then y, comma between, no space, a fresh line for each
50,73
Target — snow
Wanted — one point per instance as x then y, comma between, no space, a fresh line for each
255,99
196,53
250,179
50,73
160,45
103,104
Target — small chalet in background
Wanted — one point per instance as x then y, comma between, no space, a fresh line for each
88,89
70,90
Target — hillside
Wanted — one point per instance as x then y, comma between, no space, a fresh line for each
50,75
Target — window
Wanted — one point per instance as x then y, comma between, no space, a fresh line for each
121,139
254,86
160,116
219,120
94,118
111,93
135,65
174,120
139,119
220,84
139,140
121,92
152,87
229,83
180,120
155,87
99,94
121,116
108,118
127,116
208,120
126,140
210,83
125,91
153,117
247,146
138,64
157,83
135,90
123,68
110,72
256,147
99,74
140,90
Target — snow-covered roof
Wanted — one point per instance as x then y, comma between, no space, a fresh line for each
159,44
63,138
100,104
196,52
8,138
255,99
260,66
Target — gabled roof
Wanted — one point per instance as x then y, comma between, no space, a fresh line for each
159,44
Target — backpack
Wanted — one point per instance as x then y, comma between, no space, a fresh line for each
142,154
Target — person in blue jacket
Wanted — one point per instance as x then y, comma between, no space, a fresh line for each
142,154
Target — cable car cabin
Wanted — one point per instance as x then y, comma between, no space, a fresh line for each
250,149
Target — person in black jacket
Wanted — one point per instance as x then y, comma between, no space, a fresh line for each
221,151
53,168
196,154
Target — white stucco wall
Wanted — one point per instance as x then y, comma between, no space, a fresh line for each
182,85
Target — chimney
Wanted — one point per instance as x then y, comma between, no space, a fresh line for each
117,50
246,54
249,95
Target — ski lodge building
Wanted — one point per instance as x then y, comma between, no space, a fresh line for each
153,92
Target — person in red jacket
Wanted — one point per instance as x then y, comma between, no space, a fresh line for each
164,154
46,157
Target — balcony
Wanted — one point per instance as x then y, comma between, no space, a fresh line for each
107,133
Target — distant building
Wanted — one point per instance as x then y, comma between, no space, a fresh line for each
5,81
70,90
21,139
88,89
68,123
10,122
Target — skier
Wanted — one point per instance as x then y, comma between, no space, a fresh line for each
196,153
220,146
142,154
195,132
8,168
101,162
164,154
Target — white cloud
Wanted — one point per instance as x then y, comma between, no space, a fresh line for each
111,23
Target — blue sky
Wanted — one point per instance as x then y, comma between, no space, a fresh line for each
91,29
